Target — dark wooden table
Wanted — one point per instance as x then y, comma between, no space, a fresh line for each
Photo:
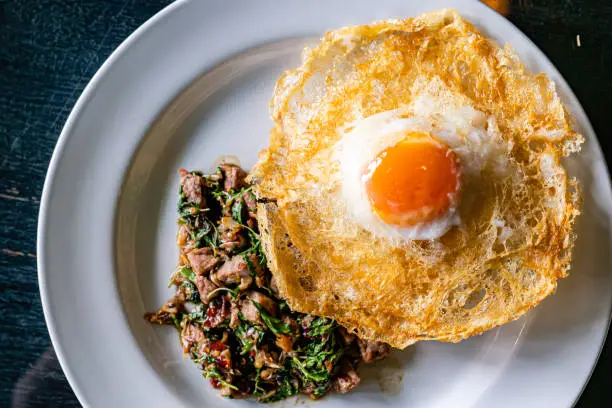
49,49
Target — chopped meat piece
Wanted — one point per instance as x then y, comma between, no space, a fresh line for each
233,271
205,287
164,315
250,202
267,374
231,235
263,357
260,281
182,237
249,310
285,343
228,225
225,358
306,320
347,379
217,312
252,223
192,188
255,265
233,176
347,337
225,391
230,246
309,389
245,283
267,303
202,260
192,335
274,287
371,351
234,316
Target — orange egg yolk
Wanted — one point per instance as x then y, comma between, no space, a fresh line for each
415,181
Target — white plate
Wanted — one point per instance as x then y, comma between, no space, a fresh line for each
193,84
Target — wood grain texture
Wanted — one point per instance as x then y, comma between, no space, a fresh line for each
49,49
555,26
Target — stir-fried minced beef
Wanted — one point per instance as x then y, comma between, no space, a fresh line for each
249,307
233,177
251,203
232,271
231,321
202,260
371,351
231,235
206,288
347,337
192,187
348,379
168,312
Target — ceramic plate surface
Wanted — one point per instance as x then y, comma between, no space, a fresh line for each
193,84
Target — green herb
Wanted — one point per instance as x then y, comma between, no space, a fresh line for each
176,322
191,292
257,333
274,324
204,358
216,375
258,390
187,209
256,247
188,273
226,198
312,374
321,326
317,354
241,334
314,358
212,240
199,233
237,211
198,314
249,191
221,196
233,292
286,387
202,230
182,199
322,389
246,347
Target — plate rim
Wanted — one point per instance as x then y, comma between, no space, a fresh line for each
50,178
88,93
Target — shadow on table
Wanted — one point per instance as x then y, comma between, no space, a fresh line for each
43,385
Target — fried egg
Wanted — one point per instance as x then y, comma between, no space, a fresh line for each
402,170
413,186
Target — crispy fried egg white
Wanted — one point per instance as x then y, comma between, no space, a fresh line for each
402,171
353,232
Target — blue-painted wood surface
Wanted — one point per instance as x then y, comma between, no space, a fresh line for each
49,49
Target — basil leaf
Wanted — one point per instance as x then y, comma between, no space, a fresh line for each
321,326
274,324
237,211
188,273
